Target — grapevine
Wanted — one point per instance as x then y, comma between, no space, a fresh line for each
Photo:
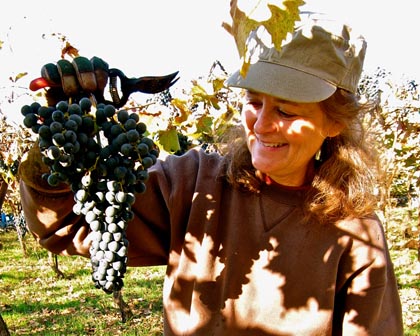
104,155
8,171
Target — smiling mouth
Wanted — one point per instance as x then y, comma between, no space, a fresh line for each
272,144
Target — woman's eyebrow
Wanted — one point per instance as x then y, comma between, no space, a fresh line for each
278,100
284,101
288,102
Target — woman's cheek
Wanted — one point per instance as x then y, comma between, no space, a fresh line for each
300,127
248,119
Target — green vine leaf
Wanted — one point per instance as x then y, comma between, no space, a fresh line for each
204,125
169,140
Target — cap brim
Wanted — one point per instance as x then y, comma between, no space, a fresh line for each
283,82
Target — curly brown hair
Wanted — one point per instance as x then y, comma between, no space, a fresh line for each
345,175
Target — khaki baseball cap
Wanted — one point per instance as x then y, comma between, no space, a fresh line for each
314,61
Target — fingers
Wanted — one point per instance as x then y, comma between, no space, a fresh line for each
68,75
80,75
50,77
100,68
50,73
85,74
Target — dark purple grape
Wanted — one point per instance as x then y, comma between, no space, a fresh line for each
58,115
45,112
71,125
58,139
109,111
44,132
88,125
53,153
62,106
25,110
141,128
85,104
70,136
35,106
133,135
142,149
120,172
53,180
100,116
149,142
75,109
122,116
147,162
127,149
76,118
56,127
30,120
130,124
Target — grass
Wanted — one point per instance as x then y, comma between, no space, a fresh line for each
33,301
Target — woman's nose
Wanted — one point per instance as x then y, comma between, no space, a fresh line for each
266,121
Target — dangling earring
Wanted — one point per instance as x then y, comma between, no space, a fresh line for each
318,155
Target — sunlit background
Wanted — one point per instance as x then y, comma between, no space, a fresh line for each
161,36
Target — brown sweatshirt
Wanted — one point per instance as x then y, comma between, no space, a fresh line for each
241,263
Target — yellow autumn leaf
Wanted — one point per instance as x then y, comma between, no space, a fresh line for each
20,75
199,94
281,21
282,16
241,26
198,91
218,84
182,108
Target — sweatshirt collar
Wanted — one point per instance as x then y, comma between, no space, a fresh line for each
284,194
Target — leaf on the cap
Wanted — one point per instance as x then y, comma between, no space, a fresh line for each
280,22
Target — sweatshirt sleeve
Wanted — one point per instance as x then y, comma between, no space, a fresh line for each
366,288
49,210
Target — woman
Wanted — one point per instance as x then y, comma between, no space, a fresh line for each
276,237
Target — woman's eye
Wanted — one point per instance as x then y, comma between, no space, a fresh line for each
253,103
285,114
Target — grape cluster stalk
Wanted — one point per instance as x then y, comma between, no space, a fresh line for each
104,155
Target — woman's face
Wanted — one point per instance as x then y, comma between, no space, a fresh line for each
283,137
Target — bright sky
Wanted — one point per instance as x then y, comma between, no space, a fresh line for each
161,36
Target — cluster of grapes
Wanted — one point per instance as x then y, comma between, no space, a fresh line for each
104,155
184,143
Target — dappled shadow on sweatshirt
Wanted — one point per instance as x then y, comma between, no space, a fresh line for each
292,277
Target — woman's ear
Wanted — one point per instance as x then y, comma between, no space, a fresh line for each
334,129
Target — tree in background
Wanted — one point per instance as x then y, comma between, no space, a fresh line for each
395,125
